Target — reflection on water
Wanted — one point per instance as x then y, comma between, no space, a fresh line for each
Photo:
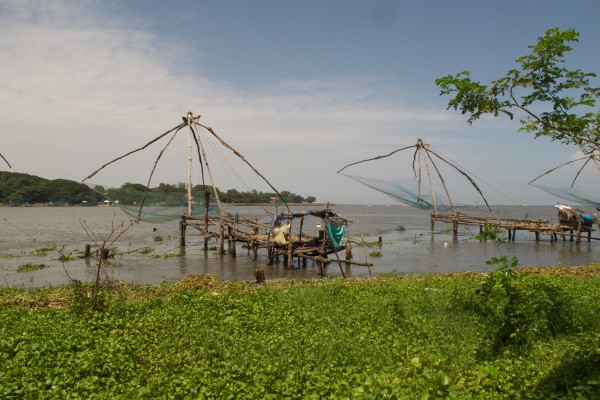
36,234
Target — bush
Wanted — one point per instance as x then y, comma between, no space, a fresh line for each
519,311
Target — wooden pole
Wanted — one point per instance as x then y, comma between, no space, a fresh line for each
182,227
231,237
259,273
300,239
290,249
206,207
348,246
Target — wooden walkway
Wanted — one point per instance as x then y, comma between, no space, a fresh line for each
573,229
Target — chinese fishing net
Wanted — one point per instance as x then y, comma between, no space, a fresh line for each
406,191
158,206
574,195
584,188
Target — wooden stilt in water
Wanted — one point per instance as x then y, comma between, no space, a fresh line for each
182,226
206,207
222,239
348,247
290,249
271,255
232,251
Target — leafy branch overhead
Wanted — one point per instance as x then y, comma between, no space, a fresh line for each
554,101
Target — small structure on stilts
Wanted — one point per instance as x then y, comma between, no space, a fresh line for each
276,235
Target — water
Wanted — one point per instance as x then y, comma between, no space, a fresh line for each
27,230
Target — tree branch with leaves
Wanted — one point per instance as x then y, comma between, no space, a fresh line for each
555,102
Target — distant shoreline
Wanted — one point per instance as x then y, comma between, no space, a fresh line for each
116,205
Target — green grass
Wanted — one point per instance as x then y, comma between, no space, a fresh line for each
30,267
408,337
166,255
43,251
64,257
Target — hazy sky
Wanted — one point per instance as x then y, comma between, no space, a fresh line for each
300,88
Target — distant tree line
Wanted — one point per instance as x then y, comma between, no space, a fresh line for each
128,193
18,188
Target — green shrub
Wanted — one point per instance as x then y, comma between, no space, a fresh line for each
520,311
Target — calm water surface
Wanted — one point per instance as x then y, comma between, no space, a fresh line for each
26,231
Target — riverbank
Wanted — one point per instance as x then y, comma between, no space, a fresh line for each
60,297
417,336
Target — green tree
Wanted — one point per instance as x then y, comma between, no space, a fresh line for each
553,101
136,186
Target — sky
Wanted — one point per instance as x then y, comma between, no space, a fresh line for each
299,88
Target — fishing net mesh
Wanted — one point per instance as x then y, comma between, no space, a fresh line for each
407,191
158,206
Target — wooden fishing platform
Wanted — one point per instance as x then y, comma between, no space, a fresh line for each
571,224
277,237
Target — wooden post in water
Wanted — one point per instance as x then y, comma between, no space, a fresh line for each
298,261
348,246
255,245
290,249
86,253
232,251
182,226
259,274
206,207
222,244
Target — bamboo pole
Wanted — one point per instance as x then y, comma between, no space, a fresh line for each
189,185
290,249
206,208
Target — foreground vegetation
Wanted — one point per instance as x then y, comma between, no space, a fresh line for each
508,334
